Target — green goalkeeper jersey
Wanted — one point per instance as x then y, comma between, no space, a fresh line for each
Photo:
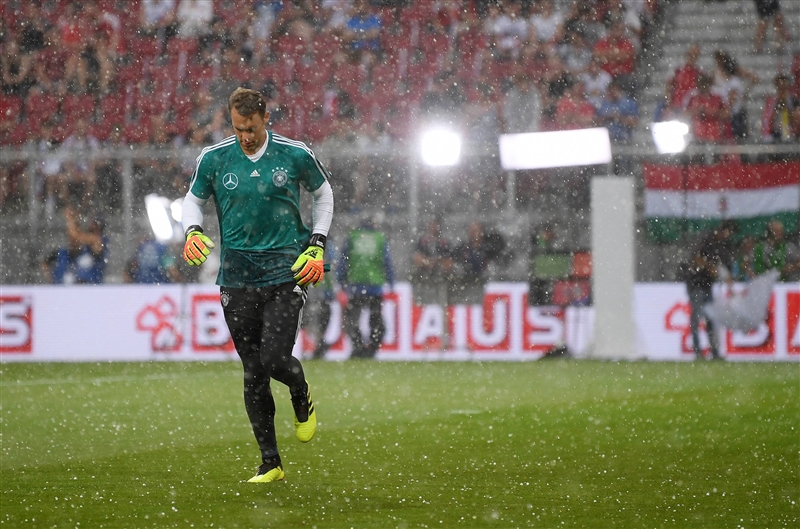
258,206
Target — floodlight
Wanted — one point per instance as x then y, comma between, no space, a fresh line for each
176,209
670,137
564,148
158,214
440,147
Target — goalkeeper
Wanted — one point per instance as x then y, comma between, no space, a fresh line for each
268,258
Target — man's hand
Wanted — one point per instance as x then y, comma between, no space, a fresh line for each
310,266
197,247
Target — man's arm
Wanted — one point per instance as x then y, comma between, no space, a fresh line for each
192,211
322,210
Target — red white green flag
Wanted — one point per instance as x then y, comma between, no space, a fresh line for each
694,198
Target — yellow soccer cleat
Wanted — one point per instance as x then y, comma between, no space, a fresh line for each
268,473
305,407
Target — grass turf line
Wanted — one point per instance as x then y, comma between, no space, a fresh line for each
543,444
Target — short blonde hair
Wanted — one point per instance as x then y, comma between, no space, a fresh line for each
247,102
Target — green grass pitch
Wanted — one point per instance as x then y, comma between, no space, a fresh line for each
542,444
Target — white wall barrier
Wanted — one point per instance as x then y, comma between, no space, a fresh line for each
185,322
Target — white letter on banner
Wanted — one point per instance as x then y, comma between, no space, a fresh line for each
430,324
389,314
210,327
499,324
550,328
796,335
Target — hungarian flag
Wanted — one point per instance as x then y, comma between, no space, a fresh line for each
695,198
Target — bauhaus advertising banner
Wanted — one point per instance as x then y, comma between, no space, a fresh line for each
186,322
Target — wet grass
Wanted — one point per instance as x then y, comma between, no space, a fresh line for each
544,444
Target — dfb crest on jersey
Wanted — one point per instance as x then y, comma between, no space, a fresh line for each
225,298
230,181
279,177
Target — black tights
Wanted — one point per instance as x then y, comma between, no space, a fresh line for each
263,323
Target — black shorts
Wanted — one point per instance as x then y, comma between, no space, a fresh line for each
256,311
767,8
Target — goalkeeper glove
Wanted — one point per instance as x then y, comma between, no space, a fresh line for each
309,267
197,247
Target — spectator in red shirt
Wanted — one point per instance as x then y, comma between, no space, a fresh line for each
573,110
617,54
684,80
708,113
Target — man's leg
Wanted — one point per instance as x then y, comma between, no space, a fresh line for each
282,314
323,320
697,298
377,327
352,315
243,314
281,320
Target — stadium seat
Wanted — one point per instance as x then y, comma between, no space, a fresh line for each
115,106
178,46
75,106
10,108
15,135
39,107
151,104
137,132
140,48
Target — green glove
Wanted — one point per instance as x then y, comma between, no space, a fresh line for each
197,247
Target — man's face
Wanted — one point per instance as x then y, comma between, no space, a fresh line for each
251,131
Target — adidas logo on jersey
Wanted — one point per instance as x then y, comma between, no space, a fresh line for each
254,174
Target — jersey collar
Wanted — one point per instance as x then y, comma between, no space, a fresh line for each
257,156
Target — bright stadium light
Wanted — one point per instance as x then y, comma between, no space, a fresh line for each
670,137
564,148
440,147
159,215
176,209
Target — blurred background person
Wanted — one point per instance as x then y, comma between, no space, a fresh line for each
83,259
364,269
710,260
153,263
780,122
770,11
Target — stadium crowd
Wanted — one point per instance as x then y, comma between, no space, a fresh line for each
115,73
152,70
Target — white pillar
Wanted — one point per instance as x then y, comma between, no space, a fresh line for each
613,271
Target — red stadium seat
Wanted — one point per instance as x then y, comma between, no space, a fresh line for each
151,104
137,132
289,47
40,107
115,107
178,46
62,130
10,108
140,48
15,135
76,106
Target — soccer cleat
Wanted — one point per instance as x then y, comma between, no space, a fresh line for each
304,407
267,473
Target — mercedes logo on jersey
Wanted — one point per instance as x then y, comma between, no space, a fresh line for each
230,181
